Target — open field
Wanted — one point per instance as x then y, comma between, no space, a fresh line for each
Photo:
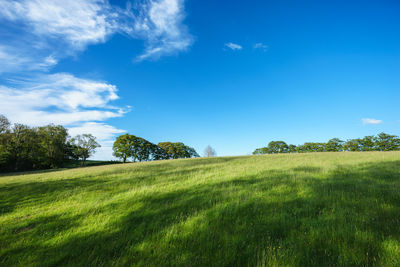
315,209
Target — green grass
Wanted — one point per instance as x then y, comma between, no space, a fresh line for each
318,209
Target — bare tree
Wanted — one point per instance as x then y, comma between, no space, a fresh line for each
209,152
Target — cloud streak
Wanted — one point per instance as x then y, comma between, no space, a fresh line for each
260,46
233,46
371,121
66,27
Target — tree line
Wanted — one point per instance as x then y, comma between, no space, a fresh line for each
25,148
380,142
128,146
32,148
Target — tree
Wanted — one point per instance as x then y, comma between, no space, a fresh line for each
23,147
334,145
157,153
4,124
5,136
387,142
292,148
177,150
353,145
368,143
209,152
277,147
84,146
261,151
123,146
131,146
52,141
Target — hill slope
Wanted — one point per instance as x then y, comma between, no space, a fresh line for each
300,209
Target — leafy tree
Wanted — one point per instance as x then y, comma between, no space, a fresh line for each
209,152
84,146
23,147
139,149
261,151
353,145
191,152
145,149
387,142
311,147
4,124
52,141
123,146
177,150
158,153
277,147
368,143
335,145
292,148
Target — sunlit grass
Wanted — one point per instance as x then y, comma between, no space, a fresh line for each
319,209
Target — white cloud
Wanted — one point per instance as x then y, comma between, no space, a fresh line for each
102,131
82,105
13,59
160,24
78,22
105,136
233,46
261,46
65,27
371,121
58,98
37,34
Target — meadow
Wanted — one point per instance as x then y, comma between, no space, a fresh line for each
313,209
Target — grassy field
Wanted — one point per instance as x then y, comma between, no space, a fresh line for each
317,209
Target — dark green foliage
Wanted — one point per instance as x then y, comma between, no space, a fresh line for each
382,142
368,143
277,147
334,145
312,147
292,148
178,150
139,149
387,142
26,148
353,145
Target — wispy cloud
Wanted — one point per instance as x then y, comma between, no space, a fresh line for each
66,27
371,121
37,34
160,24
78,22
233,46
260,46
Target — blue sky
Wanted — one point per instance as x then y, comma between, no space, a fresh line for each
230,74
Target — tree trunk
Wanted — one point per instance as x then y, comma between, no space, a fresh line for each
83,162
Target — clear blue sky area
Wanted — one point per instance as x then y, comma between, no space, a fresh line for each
255,71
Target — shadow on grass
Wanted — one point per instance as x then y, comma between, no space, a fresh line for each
302,217
73,164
